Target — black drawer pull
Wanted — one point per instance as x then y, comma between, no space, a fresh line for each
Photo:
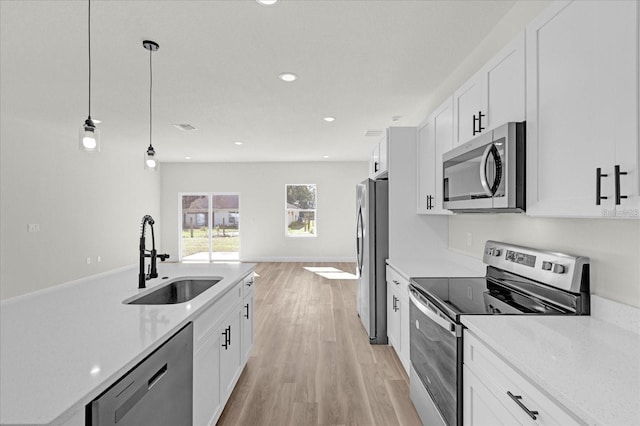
517,399
599,176
617,183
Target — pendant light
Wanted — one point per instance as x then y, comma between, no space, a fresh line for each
150,162
89,134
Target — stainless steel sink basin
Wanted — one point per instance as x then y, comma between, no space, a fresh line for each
174,292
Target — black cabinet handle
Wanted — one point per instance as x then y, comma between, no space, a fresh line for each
617,183
478,120
247,308
395,304
429,202
599,176
375,166
517,399
229,337
226,338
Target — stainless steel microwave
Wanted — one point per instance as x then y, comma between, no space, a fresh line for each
487,174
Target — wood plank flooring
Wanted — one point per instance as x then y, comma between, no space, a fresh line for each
312,363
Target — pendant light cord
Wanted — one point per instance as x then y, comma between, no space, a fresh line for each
89,27
150,95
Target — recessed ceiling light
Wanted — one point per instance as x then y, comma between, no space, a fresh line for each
329,119
184,126
288,77
187,158
325,156
266,2
238,143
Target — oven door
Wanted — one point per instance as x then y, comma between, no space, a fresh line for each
436,356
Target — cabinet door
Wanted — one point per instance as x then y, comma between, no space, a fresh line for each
247,326
505,85
426,167
403,305
230,351
480,406
582,91
206,381
443,123
393,322
468,101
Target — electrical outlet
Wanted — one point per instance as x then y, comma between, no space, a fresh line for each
88,261
99,259
33,227
469,239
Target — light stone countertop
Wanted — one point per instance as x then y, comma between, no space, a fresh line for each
61,347
443,263
588,364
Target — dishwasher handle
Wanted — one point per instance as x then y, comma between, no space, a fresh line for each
425,307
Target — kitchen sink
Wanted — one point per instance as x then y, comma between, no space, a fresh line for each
174,292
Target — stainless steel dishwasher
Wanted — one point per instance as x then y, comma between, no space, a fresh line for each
158,391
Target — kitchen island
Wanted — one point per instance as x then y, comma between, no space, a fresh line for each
63,346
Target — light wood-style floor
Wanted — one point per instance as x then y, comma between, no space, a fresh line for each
312,363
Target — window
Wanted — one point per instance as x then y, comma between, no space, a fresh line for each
300,211
210,227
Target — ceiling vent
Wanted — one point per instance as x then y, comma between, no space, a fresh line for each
373,132
185,127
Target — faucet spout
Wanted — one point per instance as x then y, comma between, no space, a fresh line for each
153,269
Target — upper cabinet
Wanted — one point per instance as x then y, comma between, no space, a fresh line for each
379,164
493,96
435,137
582,110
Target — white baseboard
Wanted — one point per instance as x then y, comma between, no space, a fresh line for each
300,259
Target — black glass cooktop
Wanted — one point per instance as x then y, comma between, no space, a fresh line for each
500,292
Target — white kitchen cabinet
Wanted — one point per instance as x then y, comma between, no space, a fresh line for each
435,137
247,318
398,315
379,164
582,110
493,96
230,350
480,407
495,393
223,337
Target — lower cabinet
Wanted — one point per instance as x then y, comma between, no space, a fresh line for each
494,393
223,338
398,315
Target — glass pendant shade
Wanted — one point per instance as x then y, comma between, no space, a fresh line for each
89,137
150,162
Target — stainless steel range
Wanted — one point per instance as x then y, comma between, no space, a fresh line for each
519,281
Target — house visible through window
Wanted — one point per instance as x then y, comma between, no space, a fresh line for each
210,227
300,210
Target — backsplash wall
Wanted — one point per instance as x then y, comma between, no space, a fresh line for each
612,245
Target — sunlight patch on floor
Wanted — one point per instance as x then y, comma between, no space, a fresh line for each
331,273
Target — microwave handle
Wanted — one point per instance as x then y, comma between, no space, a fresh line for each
490,190
433,316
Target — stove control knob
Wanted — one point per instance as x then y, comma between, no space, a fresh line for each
497,252
557,269
490,251
546,266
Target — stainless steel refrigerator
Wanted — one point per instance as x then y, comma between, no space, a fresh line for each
372,250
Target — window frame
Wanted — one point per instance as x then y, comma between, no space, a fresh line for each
287,210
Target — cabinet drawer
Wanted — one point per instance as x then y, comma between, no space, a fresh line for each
398,282
501,379
206,323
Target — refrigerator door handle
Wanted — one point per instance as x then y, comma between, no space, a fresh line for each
359,241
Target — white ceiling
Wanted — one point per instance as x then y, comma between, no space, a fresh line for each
217,69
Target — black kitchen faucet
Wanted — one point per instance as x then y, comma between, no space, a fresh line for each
153,271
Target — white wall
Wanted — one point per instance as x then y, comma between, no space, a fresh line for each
262,200
87,205
613,245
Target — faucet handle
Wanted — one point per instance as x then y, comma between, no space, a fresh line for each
163,257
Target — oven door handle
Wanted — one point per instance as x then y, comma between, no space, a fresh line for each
416,299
